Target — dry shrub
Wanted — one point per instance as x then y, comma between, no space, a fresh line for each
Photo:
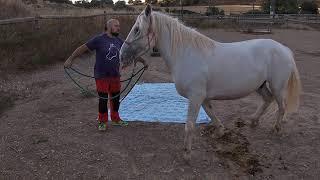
27,46
6,101
12,9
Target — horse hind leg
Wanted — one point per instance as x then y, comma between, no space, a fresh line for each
280,99
279,89
215,122
267,97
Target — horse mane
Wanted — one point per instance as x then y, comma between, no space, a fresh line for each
182,35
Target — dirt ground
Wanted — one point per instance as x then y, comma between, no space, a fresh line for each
50,131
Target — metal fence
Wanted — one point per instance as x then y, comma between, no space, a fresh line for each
256,18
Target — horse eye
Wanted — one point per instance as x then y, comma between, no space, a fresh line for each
136,30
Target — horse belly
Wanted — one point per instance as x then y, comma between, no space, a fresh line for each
231,83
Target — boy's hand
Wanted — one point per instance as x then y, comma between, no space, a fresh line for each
146,66
68,63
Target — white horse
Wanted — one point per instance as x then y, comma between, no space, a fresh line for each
204,70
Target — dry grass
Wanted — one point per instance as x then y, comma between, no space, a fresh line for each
24,47
13,8
27,46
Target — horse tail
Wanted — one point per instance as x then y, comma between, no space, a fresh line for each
293,91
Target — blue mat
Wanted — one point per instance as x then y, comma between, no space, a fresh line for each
157,102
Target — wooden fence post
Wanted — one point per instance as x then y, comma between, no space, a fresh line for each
36,22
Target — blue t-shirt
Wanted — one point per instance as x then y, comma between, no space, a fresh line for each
107,55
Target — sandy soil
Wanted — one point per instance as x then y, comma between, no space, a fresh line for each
50,132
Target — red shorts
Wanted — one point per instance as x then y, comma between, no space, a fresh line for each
108,85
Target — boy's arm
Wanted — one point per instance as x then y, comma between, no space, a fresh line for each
143,62
78,52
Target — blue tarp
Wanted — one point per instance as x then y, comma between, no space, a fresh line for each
157,102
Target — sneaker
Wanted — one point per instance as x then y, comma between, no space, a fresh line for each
120,123
102,126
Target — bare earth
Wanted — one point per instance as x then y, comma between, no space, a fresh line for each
50,132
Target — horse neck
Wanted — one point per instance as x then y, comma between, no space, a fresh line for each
173,49
164,41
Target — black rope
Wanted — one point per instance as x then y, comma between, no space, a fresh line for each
109,98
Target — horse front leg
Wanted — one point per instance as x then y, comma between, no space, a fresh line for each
193,111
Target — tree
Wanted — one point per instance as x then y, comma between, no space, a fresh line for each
61,1
150,1
107,2
83,3
167,3
309,7
137,2
95,3
120,5
282,6
211,10
130,2
188,2
154,1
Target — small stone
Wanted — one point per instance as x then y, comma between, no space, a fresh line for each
44,157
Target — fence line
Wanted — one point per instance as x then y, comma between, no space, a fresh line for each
254,18
30,19
17,20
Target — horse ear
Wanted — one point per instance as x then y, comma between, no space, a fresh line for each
148,10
